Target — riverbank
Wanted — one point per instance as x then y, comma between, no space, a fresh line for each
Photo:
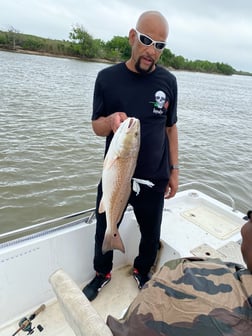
102,60
48,54
96,50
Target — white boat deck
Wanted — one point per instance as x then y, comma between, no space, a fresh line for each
193,224
114,300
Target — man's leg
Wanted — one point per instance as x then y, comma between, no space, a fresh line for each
148,208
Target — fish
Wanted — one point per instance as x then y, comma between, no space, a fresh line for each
118,168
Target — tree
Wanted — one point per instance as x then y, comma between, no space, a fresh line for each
118,48
225,68
167,57
4,40
178,62
84,43
12,32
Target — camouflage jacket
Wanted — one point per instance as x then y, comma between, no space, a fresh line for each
191,296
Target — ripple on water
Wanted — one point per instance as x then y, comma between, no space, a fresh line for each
51,161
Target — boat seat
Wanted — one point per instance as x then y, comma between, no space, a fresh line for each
78,311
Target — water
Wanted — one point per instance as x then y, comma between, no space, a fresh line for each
51,161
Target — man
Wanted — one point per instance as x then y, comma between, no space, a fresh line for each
246,246
142,89
192,296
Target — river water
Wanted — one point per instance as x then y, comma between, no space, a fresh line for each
51,161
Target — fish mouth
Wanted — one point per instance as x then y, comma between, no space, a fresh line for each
131,122
132,125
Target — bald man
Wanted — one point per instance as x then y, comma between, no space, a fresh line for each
142,89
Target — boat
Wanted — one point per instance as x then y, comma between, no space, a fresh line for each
36,261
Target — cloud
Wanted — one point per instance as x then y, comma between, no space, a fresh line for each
199,29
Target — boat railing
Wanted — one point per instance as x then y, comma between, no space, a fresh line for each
221,194
88,214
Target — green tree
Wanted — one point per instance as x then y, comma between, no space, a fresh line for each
178,62
13,36
32,43
83,42
166,58
4,40
118,48
225,68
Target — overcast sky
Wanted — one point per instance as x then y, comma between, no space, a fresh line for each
214,30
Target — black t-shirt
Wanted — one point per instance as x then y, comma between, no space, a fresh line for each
152,98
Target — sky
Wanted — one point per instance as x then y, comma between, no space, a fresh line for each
213,30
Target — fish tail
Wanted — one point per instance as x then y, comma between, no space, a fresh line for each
112,241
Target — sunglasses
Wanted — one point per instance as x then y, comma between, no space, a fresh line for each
147,41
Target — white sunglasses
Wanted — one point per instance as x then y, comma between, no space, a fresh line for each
147,41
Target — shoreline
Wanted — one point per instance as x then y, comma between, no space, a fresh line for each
44,53
102,60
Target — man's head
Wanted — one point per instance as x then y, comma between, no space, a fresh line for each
147,41
246,246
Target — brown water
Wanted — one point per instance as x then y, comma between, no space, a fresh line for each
51,161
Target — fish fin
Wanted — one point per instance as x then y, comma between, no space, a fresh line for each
101,206
112,241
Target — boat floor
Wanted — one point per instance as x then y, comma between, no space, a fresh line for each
113,300
193,225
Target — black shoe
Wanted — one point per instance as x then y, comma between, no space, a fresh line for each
100,280
141,279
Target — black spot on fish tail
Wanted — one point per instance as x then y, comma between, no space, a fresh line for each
112,241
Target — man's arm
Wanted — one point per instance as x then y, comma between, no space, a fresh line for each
172,187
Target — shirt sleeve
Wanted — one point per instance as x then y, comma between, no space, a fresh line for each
98,101
172,117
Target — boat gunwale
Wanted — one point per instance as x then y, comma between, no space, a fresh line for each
30,228
85,220
89,216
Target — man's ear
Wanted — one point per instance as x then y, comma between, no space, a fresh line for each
132,36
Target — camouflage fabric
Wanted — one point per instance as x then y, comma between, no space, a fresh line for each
191,296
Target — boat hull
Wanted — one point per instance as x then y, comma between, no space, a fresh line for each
193,224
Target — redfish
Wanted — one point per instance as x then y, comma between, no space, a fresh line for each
118,168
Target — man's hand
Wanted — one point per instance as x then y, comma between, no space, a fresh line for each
172,186
116,119
104,125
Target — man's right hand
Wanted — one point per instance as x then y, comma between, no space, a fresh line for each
116,119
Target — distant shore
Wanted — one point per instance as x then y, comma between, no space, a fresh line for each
96,60
42,53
